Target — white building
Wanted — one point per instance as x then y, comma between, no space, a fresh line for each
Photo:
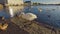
15,2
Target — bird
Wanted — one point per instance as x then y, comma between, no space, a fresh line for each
40,9
29,16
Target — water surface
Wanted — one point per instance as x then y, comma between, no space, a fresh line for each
49,15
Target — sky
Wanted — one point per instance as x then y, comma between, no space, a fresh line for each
46,1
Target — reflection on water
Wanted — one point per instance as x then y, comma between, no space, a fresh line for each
7,13
15,9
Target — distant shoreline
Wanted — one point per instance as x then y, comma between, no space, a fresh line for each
47,4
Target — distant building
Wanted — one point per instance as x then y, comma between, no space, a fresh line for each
15,2
28,3
3,1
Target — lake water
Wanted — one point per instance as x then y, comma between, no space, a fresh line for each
50,14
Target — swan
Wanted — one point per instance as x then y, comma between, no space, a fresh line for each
40,9
29,16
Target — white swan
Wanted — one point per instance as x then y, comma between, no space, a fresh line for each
29,16
40,9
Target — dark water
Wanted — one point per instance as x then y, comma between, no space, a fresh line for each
4,13
49,15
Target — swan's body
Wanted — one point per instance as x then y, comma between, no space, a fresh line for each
29,16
